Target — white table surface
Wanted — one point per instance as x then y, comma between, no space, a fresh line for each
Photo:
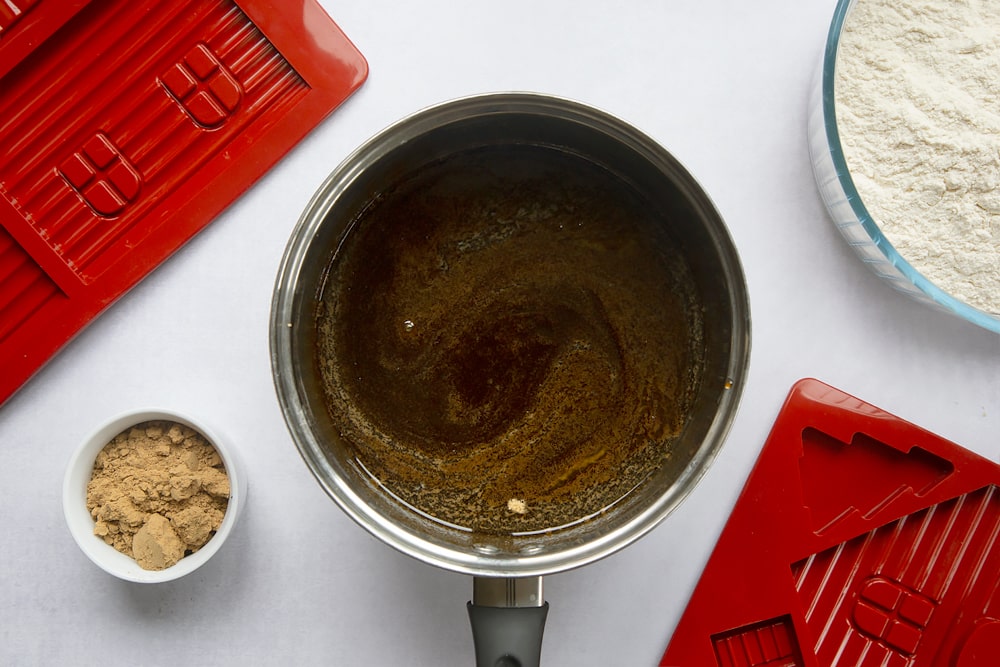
723,85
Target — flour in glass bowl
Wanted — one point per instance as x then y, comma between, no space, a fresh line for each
918,111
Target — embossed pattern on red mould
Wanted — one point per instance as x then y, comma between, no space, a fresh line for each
125,128
859,540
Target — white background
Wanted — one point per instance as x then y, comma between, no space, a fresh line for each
724,86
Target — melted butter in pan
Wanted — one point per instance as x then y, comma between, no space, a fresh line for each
510,324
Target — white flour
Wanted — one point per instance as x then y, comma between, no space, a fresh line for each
918,109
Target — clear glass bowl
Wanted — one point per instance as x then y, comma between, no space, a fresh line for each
844,203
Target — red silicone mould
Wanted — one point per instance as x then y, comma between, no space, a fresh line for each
859,539
125,128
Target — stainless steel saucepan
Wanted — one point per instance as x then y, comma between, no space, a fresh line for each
508,610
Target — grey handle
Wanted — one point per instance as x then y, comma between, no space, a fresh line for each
508,619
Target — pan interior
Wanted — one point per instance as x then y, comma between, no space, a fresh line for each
509,340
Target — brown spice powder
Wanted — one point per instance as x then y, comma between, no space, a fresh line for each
158,492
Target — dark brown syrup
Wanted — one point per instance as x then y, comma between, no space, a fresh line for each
510,339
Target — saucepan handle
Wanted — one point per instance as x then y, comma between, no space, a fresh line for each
508,618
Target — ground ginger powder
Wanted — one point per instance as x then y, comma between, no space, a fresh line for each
158,492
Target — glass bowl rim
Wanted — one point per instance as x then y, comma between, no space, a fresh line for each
938,296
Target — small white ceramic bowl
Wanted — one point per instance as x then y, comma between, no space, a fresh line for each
81,523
